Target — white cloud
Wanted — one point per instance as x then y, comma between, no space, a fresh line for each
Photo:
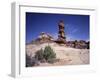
55,35
74,30
69,38
87,40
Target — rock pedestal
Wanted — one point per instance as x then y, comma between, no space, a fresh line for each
61,33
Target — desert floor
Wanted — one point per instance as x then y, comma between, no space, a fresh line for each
66,55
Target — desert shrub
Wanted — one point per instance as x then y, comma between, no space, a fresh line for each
52,60
88,45
40,55
34,61
49,54
28,61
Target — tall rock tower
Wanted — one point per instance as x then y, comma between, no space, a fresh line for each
61,32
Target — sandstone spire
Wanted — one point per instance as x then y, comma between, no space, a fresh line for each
61,32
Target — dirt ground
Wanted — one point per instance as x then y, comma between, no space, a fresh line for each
66,55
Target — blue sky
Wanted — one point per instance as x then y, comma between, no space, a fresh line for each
76,26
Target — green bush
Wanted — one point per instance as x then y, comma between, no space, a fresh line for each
48,55
40,55
28,61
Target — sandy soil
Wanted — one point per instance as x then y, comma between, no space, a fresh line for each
66,55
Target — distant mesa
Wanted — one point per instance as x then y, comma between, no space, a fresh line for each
44,37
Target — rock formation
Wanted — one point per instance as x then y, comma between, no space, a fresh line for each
47,38
61,33
43,38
